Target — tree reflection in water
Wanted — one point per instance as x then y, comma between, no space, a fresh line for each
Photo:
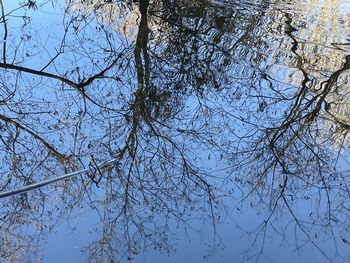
206,106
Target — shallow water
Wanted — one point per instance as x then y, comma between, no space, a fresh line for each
224,124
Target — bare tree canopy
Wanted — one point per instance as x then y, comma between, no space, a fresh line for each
131,126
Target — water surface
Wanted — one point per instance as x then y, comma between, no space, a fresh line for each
204,131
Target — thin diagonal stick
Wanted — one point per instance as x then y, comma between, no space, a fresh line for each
52,180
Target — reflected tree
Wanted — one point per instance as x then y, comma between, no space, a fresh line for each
189,101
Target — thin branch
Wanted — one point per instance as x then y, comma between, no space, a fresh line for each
59,155
39,73
5,31
78,86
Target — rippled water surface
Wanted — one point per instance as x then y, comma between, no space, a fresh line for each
188,131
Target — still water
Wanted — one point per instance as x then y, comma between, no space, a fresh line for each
196,131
